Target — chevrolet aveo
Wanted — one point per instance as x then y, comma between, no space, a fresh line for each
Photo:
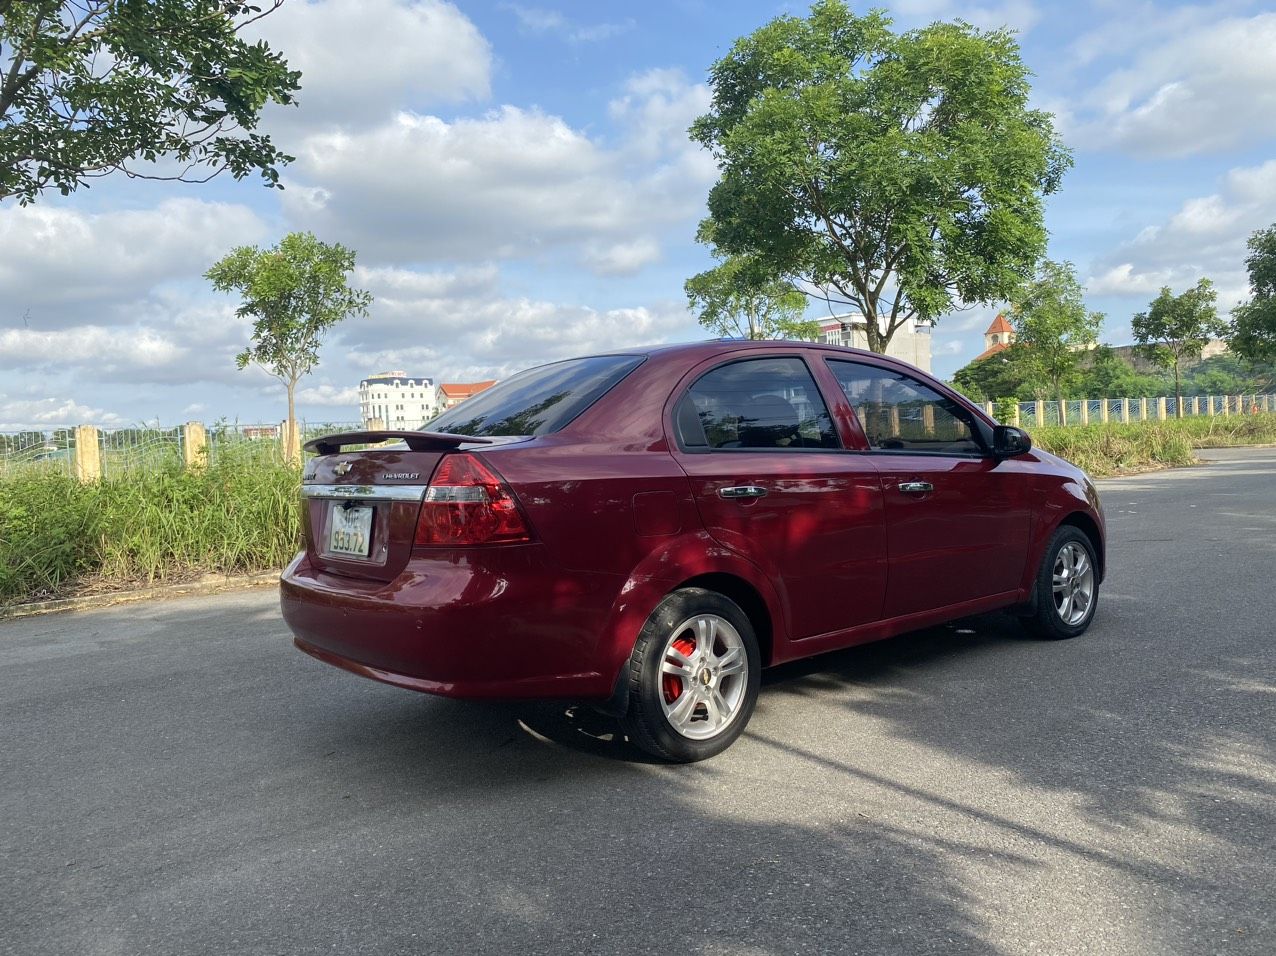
644,531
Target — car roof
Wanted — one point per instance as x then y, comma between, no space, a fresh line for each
698,351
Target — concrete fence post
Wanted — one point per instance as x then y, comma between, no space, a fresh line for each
988,407
1063,412
1125,411
1196,404
1143,409
1103,411
1039,411
1227,405
1085,411
194,446
1016,415
1160,409
88,454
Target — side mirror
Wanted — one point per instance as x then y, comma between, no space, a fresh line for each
1008,441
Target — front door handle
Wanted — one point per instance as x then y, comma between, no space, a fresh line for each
742,491
915,487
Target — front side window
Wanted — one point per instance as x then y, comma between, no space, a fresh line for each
899,413
758,403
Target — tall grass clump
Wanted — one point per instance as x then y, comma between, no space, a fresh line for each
240,514
1114,447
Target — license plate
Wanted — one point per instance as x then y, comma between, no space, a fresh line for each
350,530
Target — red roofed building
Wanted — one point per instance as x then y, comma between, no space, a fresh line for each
453,393
998,337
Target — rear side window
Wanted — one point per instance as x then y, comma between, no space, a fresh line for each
538,401
899,413
758,403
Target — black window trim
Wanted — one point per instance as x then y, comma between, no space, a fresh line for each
708,449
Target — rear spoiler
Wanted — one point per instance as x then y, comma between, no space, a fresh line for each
416,441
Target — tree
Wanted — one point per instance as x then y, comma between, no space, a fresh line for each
294,293
90,87
1105,374
1175,328
1254,322
1052,324
738,298
1010,373
900,174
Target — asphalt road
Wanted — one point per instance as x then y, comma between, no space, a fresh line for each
176,779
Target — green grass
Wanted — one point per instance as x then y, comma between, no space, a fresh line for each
1113,448
57,536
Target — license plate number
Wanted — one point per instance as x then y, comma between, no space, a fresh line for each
350,530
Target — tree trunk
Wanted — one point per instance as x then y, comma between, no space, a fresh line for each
292,443
1178,396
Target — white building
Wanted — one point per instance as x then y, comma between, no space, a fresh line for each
910,343
398,401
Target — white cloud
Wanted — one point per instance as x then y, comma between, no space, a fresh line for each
43,414
512,183
103,348
328,395
1205,87
362,59
59,263
1204,238
459,326
540,20
951,347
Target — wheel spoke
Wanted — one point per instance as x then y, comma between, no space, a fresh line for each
1082,567
1065,609
1060,583
706,635
682,708
677,664
732,662
719,710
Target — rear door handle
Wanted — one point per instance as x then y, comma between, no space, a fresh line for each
915,487
742,491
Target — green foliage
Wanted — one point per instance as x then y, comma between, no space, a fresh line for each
293,292
1176,327
1052,325
87,89
738,299
895,173
239,515
1254,322
1010,373
1105,374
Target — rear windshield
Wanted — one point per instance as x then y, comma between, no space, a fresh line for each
538,401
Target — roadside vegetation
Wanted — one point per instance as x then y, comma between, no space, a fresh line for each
61,537
1116,448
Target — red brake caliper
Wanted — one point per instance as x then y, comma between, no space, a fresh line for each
672,684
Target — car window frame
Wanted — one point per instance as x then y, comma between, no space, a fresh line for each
697,373
980,430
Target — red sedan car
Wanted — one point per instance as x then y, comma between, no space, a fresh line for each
646,530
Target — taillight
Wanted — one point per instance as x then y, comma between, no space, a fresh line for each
466,503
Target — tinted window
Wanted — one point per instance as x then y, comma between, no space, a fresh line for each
760,403
899,413
537,401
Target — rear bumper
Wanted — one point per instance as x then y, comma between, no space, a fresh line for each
510,626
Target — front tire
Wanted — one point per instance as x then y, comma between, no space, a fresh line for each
693,677
1067,587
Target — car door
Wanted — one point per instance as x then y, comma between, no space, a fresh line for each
957,519
772,483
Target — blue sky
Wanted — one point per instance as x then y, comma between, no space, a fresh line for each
518,183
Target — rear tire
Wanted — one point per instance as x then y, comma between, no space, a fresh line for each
1067,587
693,677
